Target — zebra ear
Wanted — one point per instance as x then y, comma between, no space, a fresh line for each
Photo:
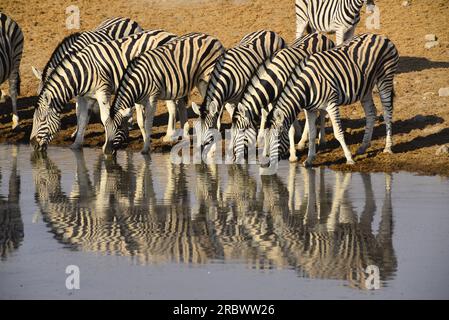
37,73
213,108
230,108
196,109
126,113
278,116
47,98
243,111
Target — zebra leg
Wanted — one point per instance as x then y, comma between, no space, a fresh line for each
83,115
305,135
103,99
334,114
386,97
75,132
311,118
150,109
14,91
322,136
263,121
182,111
171,126
291,138
370,114
141,121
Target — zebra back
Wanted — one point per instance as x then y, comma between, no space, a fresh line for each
110,29
11,47
235,68
99,64
170,71
271,77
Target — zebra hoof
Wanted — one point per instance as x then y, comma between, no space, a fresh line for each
76,146
15,122
301,146
322,144
388,151
73,135
350,162
308,163
168,138
361,150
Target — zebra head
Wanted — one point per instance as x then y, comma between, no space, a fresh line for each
243,134
46,122
276,140
116,130
41,76
204,126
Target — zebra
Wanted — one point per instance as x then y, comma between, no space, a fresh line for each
110,29
229,79
327,80
92,73
266,85
339,16
168,72
11,47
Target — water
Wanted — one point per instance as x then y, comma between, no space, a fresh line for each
144,228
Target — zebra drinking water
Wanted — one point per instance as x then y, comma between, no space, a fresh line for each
92,73
333,78
166,73
230,77
265,87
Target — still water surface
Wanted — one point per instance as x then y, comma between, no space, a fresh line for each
144,228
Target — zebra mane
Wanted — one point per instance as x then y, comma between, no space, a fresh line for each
70,39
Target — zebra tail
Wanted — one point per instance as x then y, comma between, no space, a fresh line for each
18,83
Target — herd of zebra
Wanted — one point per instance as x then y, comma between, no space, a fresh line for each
262,82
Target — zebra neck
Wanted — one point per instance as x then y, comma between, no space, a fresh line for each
355,5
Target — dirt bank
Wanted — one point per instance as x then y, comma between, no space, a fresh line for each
421,116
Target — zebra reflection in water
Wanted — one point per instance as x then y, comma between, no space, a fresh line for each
306,222
11,224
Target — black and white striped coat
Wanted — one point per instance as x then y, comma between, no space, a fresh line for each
333,78
166,73
267,84
92,74
110,29
11,47
339,16
230,77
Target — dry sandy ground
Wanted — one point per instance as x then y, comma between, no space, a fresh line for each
422,71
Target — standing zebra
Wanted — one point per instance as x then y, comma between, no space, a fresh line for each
265,87
11,47
333,78
339,16
92,73
230,77
110,29
166,73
